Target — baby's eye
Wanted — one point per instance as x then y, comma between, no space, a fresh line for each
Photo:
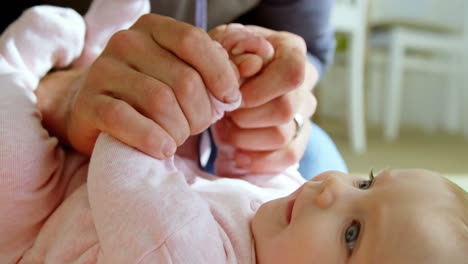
352,234
364,185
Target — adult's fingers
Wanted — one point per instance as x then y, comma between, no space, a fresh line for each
284,73
260,135
147,57
126,124
256,139
274,161
123,122
148,96
196,48
276,112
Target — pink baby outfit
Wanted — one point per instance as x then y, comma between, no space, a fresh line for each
122,206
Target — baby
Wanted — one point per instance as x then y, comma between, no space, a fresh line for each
126,207
399,216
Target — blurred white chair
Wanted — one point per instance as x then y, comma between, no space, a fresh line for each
425,36
350,17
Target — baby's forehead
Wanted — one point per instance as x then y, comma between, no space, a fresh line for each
407,207
417,174
418,218
408,240
412,192
413,179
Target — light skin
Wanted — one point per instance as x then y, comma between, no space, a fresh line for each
263,129
167,97
338,218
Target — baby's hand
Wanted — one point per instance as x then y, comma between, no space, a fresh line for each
248,50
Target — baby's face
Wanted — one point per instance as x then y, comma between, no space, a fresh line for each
339,218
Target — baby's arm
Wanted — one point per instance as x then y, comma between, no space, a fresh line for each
32,184
145,211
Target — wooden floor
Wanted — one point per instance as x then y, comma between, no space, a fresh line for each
447,154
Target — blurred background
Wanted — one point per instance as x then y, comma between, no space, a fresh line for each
397,93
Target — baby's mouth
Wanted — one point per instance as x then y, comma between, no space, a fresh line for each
289,210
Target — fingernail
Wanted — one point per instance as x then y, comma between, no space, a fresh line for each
169,148
243,160
236,51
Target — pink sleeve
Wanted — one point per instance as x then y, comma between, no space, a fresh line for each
103,19
145,205
31,162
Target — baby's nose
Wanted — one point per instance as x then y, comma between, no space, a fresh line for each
330,190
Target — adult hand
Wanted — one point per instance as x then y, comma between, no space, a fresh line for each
263,130
149,87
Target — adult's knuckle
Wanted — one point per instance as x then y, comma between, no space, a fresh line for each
110,113
290,156
190,37
100,67
161,98
146,18
202,123
149,138
123,43
117,39
296,73
300,42
282,135
286,108
182,135
188,84
295,39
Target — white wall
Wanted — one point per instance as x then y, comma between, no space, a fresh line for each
424,95
423,106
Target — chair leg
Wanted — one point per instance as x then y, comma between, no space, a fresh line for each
464,105
374,94
452,118
394,82
464,92
356,114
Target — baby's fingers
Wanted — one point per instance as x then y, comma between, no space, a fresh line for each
248,64
254,44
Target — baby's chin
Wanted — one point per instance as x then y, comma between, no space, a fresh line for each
264,218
